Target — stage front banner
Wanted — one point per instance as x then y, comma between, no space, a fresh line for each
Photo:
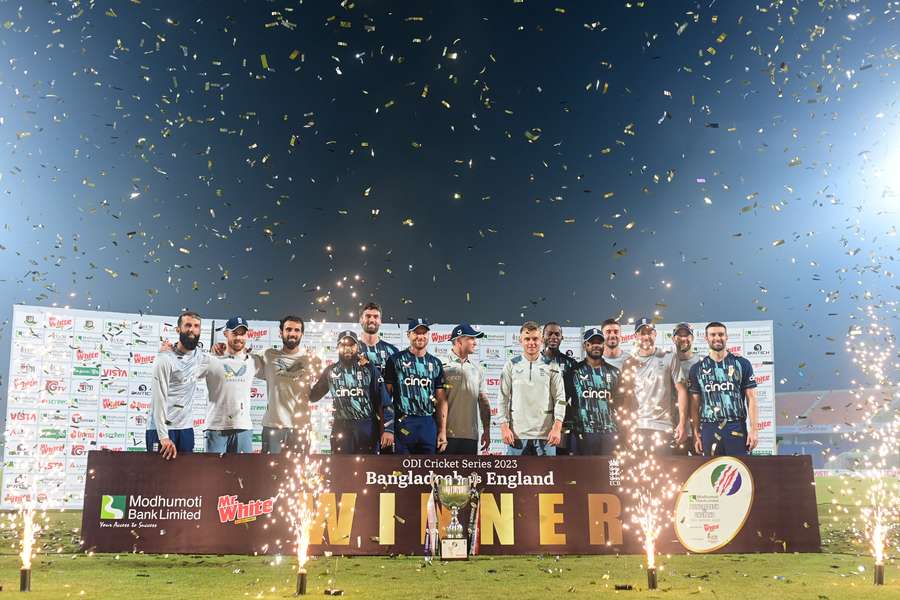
376,505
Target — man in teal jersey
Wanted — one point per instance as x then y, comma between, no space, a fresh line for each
375,349
723,394
593,394
415,380
357,392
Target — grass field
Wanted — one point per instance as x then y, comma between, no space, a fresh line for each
842,571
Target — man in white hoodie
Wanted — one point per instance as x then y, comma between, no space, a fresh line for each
532,399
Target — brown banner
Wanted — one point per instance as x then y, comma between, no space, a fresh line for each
210,504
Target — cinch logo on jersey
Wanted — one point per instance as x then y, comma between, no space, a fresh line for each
137,507
596,395
232,510
349,392
727,386
422,382
726,480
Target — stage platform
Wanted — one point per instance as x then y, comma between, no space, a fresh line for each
376,505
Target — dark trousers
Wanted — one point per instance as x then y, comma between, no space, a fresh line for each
724,439
415,435
276,440
354,437
461,446
596,444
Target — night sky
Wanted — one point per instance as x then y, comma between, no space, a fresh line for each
468,161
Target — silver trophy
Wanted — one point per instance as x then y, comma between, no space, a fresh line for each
454,493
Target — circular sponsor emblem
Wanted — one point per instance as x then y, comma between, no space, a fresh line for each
713,505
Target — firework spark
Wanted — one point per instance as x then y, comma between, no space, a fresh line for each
651,488
872,350
302,481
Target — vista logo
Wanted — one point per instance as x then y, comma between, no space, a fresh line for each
112,507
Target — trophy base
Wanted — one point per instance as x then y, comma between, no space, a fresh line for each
454,549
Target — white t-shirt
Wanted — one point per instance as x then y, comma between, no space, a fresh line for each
228,379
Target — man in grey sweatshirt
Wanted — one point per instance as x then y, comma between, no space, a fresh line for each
289,373
532,399
229,378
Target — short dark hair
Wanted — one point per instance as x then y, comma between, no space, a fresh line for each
291,318
609,322
371,306
549,323
714,324
187,313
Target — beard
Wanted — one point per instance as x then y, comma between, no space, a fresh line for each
188,341
290,343
717,346
237,346
370,328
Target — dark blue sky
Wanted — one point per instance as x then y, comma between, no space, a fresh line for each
498,160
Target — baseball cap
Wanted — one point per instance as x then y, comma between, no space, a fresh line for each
418,322
235,322
465,330
347,334
643,321
681,326
592,333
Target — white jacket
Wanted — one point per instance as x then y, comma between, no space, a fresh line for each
532,397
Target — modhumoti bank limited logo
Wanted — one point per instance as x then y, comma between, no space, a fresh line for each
112,507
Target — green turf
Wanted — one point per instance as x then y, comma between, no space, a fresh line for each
841,571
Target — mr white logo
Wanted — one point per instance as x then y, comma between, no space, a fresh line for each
596,395
349,392
727,386
232,510
422,382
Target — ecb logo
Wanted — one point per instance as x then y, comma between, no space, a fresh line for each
112,507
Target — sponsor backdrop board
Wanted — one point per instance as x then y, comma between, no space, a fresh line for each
80,381
377,505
